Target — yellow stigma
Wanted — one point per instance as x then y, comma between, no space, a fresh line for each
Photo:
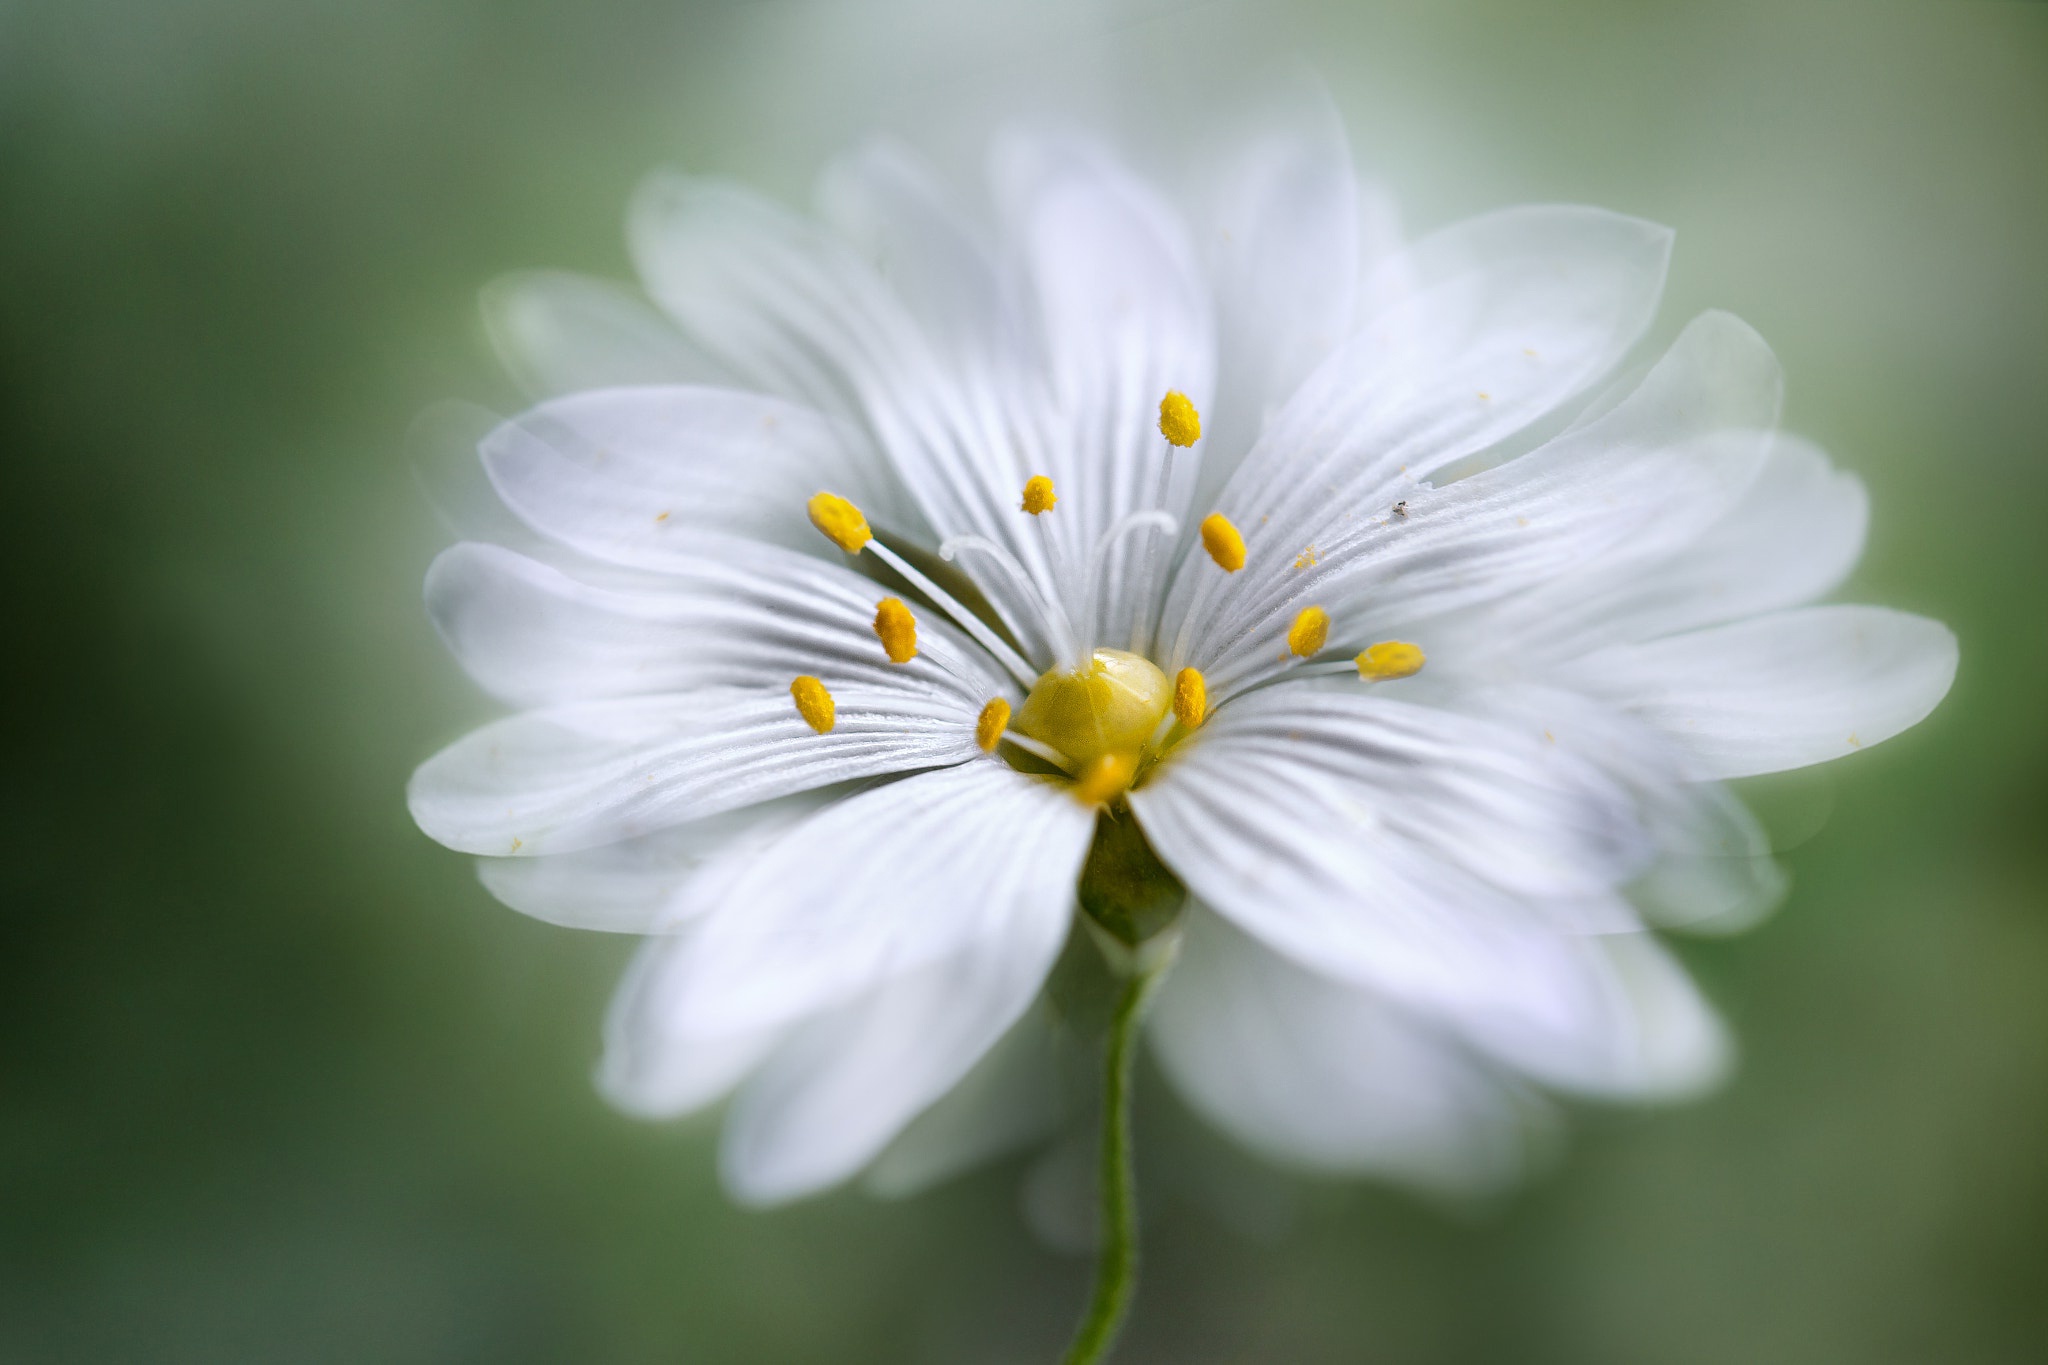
1178,420
1223,543
1038,494
839,521
1389,659
1111,705
1190,697
897,629
994,719
814,703
1105,778
1309,633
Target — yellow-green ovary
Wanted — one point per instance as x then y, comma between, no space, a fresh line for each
1111,706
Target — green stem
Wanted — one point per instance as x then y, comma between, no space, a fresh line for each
1116,1266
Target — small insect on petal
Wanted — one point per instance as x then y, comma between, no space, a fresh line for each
897,629
1178,420
989,727
1190,698
1038,495
1390,659
814,703
1309,633
1106,778
839,521
1221,539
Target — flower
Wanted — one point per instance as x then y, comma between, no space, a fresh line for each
915,571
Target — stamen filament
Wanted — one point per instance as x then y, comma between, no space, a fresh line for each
965,619
1050,610
1038,749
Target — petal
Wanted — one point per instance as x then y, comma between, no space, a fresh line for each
1645,478
628,476
573,777
1784,690
1438,857
1494,323
726,612
650,1068
1311,1072
882,884
559,333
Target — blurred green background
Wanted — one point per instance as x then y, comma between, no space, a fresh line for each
280,1083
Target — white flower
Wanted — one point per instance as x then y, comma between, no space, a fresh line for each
1417,896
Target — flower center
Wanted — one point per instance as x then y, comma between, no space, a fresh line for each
1112,705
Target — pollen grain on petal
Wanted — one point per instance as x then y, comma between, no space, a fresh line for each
839,521
989,726
814,703
1038,495
1309,633
1190,698
1221,539
1105,778
1390,659
1178,420
897,630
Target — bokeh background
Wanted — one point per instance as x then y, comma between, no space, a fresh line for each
278,1081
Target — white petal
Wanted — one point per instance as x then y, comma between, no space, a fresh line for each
1784,690
631,887
1438,857
560,333
1284,253
1647,477
881,884
1497,321
630,476
725,613
1123,316
1309,1071
650,1068
795,310
573,777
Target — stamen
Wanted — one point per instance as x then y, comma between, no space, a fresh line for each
1309,633
839,521
1190,698
965,619
1038,495
1049,610
1105,779
897,629
1221,539
989,727
1178,420
814,703
1040,750
1390,659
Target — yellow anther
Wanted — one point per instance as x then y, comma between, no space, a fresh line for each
1178,420
814,703
1190,697
1038,494
840,521
1221,539
1105,778
897,629
1389,659
1309,633
994,719
1111,705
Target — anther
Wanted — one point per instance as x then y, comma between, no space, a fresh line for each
1106,778
897,629
1221,539
813,703
1178,420
1389,659
1309,633
989,727
1038,495
1190,698
839,521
